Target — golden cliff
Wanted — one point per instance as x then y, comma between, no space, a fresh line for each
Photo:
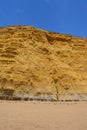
36,62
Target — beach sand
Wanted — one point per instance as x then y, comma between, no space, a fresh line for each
35,115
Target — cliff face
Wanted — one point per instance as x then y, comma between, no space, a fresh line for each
35,62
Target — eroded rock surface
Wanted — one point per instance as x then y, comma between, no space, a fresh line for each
36,62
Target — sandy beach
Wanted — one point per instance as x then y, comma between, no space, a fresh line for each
35,115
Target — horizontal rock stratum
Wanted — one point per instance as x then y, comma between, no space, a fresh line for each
39,63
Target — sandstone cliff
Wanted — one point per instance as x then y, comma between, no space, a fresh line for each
35,62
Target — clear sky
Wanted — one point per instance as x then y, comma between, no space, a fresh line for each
64,16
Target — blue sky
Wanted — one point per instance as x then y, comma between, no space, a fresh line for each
64,16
